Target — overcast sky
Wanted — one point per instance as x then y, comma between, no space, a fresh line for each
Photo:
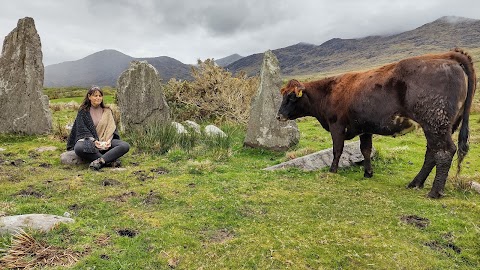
188,30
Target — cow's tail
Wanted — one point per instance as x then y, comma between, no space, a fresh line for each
466,62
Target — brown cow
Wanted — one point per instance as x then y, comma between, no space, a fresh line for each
435,91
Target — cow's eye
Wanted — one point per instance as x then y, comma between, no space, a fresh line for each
292,98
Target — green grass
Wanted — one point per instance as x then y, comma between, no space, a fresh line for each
193,210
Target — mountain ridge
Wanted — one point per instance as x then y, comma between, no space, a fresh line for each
339,55
333,56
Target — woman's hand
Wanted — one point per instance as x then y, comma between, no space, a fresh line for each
103,145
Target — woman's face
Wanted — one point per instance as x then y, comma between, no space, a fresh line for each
95,98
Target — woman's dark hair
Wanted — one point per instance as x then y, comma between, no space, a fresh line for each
86,104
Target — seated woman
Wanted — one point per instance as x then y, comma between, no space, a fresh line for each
94,135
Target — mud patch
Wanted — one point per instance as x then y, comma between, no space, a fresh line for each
110,182
127,233
445,248
152,198
416,221
122,198
160,170
45,165
17,162
29,191
142,175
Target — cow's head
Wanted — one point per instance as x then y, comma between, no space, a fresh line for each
292,97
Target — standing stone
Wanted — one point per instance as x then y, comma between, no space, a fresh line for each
140,97
264,130
24,106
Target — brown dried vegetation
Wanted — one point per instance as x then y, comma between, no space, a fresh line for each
215,94
25,252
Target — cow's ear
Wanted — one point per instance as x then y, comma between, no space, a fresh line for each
298,91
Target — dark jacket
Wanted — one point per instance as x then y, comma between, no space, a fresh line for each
83,128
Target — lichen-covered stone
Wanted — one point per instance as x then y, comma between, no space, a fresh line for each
24,106
264,130
140,97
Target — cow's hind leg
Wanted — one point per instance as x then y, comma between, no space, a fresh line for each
443,150
366,149
427,167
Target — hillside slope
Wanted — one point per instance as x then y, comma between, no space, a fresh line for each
338,55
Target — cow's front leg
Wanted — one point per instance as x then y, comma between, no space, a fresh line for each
366,149
338,138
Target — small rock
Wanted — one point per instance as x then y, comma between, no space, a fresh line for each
180,128
193,125
212,130
2,149
67,214
475,186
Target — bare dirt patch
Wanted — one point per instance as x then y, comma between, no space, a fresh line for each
416,221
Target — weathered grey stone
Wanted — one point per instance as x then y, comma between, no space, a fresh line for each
140,97
264,130
70,158
193,126
475,186
42,222
351,155
212,130
179,127
24,106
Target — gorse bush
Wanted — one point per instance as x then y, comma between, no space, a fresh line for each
214,95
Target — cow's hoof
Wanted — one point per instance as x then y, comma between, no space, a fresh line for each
368,174
435,194
333,170
414,184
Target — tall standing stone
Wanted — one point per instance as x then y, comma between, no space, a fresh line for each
140,97
264,130
24,107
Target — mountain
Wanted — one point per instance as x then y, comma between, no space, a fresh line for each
228,60
103,68
340,55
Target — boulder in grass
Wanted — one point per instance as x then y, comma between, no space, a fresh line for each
41,222
212,130
70,158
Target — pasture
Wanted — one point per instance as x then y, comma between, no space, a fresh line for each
217,208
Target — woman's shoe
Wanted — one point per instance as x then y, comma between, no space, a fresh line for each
97,164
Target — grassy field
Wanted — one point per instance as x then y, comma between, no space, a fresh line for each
217,209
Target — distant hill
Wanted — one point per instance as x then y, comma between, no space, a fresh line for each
103,68
228,60
334,56
340,55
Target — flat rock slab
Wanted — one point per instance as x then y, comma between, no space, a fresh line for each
42,222
351,155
